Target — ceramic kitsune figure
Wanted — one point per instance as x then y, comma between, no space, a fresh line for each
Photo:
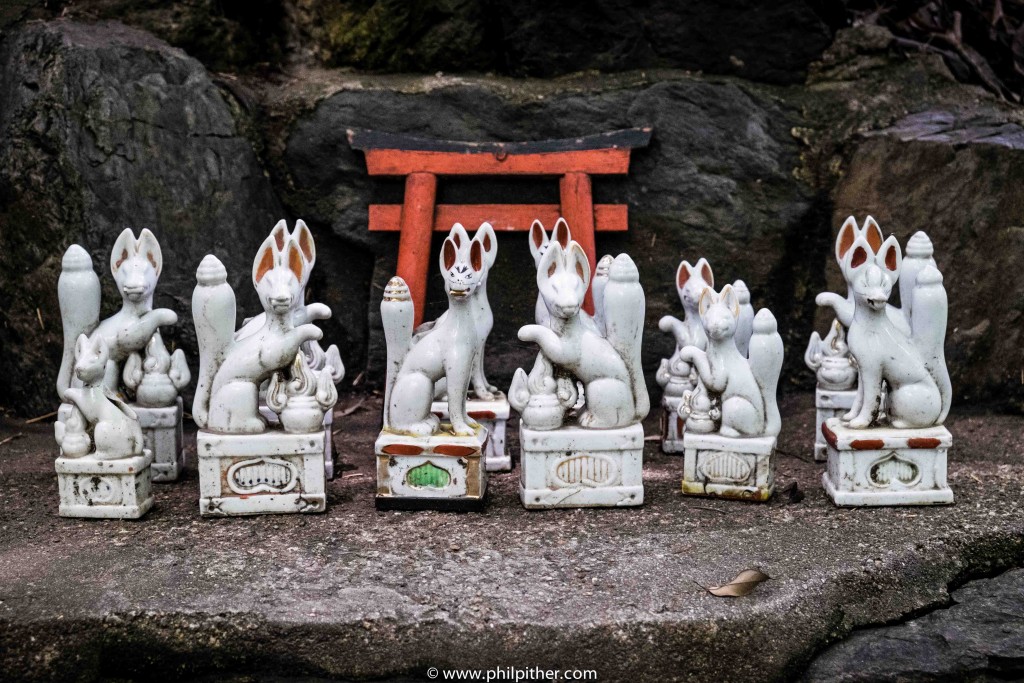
112,425
607,365
900,350
539,244
231,369
745,387
135,265
316,358
691,281
446,351
482,389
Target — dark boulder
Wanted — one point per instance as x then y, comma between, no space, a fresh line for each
104,127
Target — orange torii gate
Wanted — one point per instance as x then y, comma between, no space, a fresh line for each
421,161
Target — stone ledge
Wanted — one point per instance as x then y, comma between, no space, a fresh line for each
359,593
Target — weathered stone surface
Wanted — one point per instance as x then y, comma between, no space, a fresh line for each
716,181
958,179
104,127
359,594
977,638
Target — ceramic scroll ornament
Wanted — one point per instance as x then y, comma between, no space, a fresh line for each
422,461
139,368
247,465
316,358
583,452
890,452
732,417
484,402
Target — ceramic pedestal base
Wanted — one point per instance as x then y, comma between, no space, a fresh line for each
161,432
829,404
493,416
672,425
274,421
107,489
439,472
886,466
729,467
255,474
572,467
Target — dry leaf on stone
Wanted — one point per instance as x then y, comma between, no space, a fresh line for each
742,584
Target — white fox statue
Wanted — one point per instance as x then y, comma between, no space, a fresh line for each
745,387
447,350
901,349
135,265
607,365
232,368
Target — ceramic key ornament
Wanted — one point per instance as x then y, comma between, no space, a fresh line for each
139,367
103,470
247,465
732,416
891,451
423,462
484,402
583,451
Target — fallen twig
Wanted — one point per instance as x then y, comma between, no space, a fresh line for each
11,438
40,418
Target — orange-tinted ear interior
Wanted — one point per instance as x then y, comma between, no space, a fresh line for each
537,234
683,274
295,263
449,253
705,272
456,239
476,256
873,234
579,271
266,263
846,237
706,299
305,240
890,258
279,232
561,233
122,258
487,241
860,255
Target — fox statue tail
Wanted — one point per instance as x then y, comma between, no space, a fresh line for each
765,360
623,317
213,310
78,290
397,315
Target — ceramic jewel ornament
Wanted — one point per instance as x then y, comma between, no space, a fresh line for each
583,448
423,462
247,465
316,358
890,452
836,373
139,367
484,403
732,417
103,469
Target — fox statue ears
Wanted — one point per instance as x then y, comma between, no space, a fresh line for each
849,233
127,246
570,260
888,257
302,236
452,253
539,239
727,298
488,243
269,257
686,271
97,345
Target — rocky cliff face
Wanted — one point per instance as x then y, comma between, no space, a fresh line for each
104,127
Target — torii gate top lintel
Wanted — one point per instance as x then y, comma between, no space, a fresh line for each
422,160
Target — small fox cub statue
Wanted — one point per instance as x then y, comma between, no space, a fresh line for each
232,369
114,427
